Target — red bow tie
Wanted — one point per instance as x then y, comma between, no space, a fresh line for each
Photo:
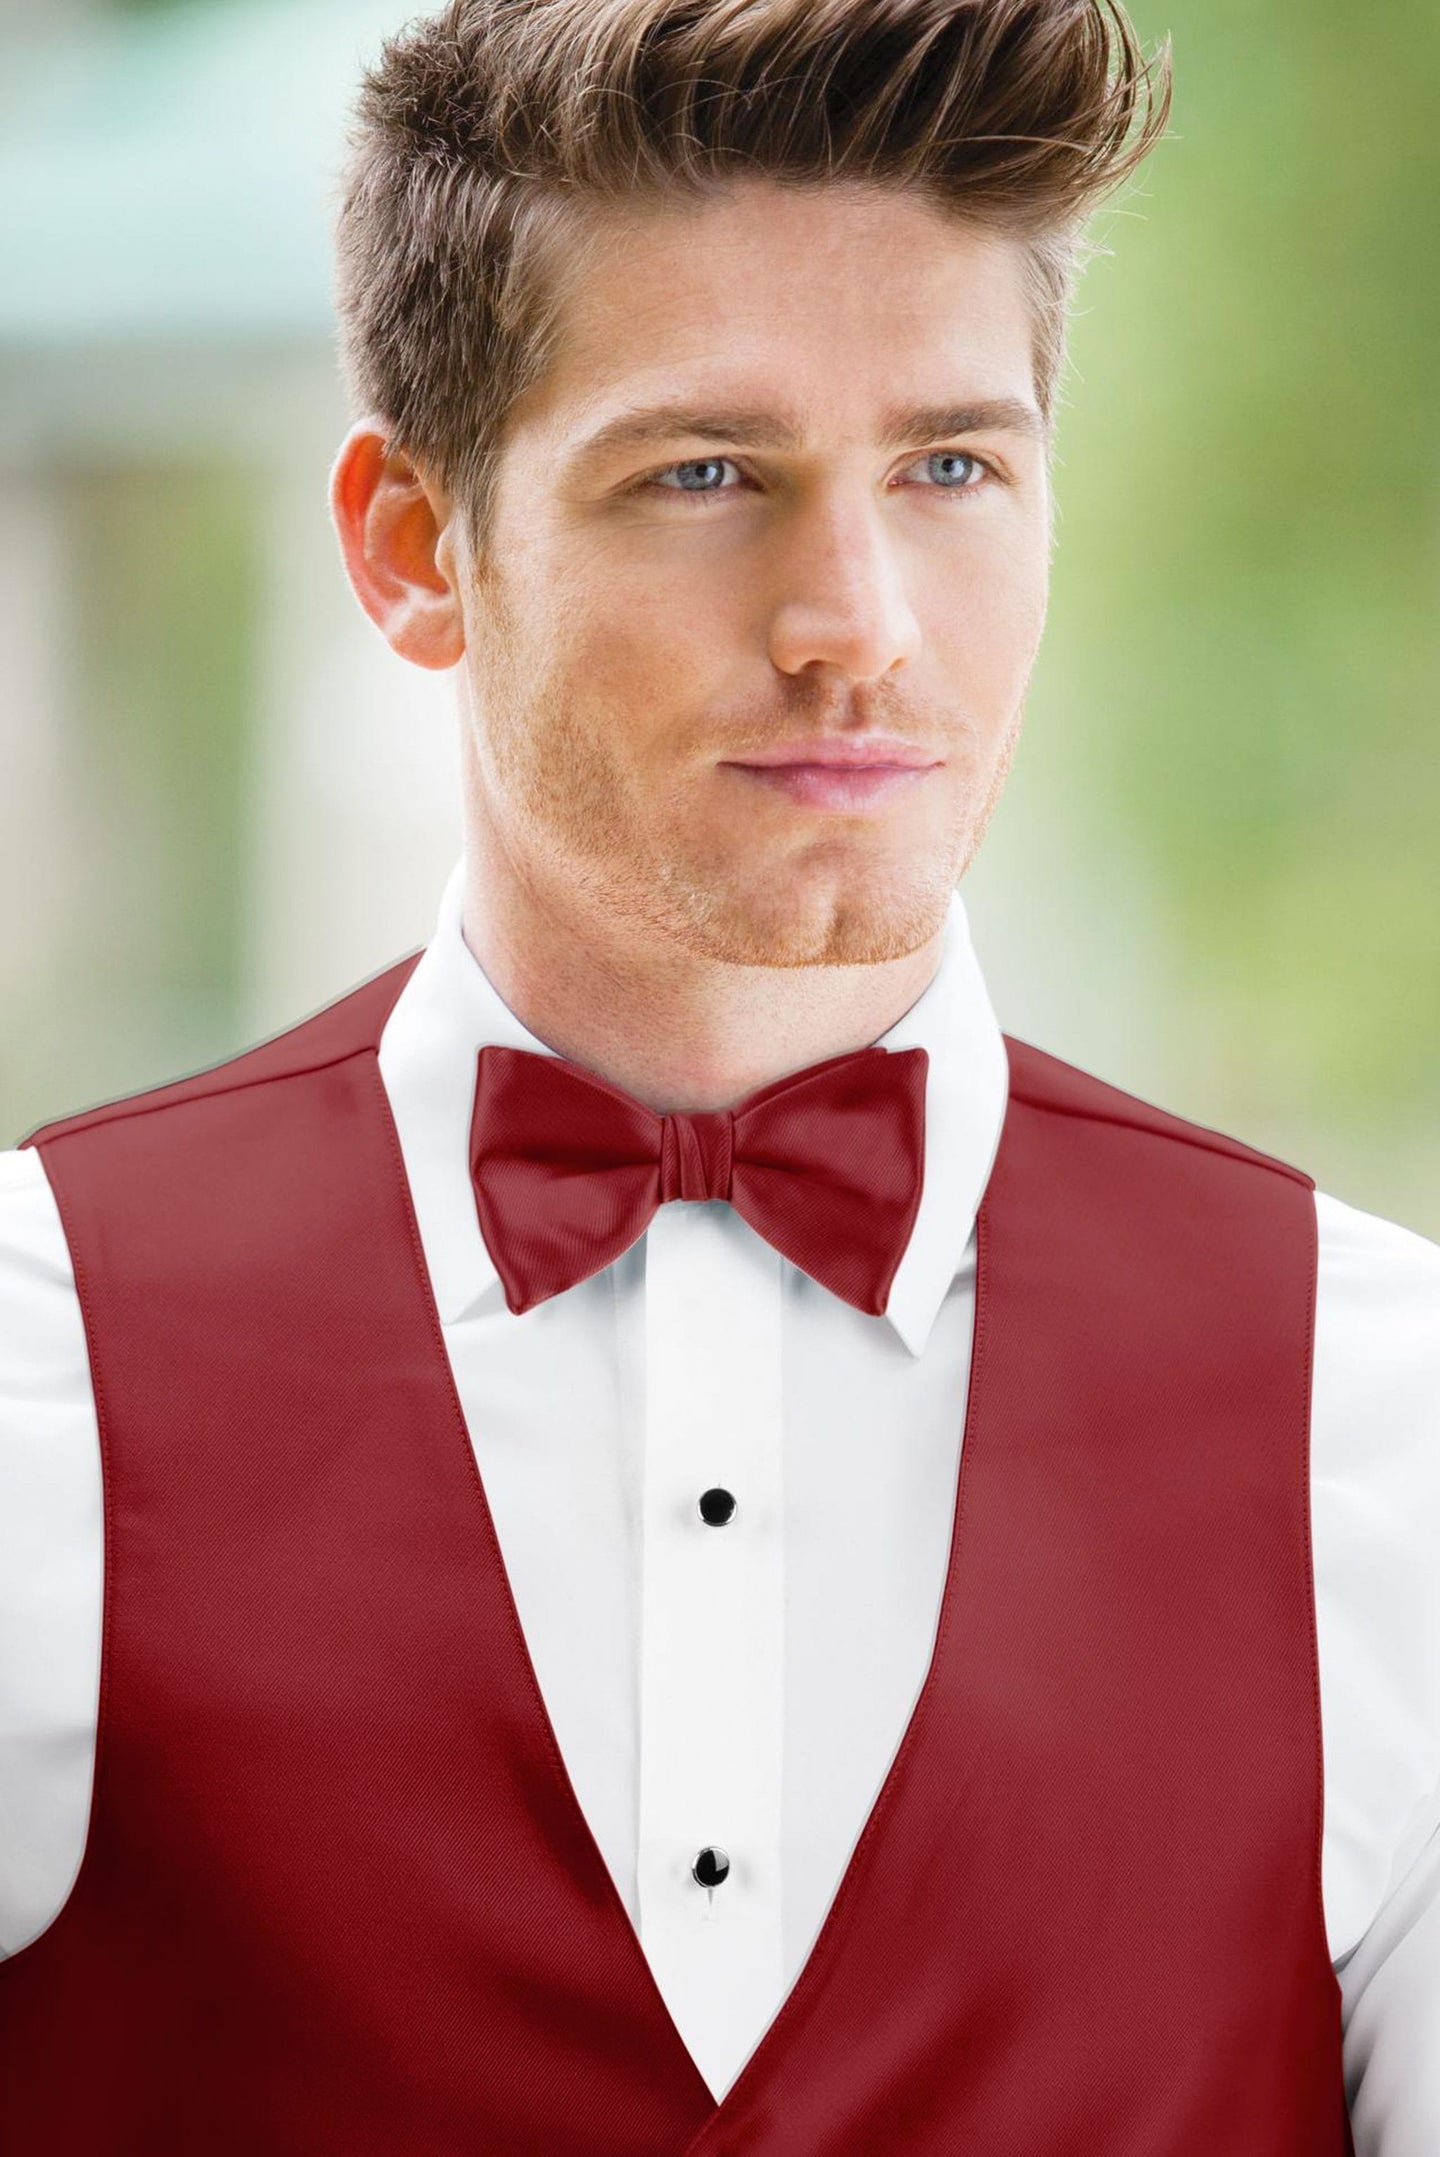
826,1165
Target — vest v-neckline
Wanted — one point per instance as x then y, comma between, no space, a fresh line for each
333,1841
828,1939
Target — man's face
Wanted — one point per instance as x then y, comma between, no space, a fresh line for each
653,613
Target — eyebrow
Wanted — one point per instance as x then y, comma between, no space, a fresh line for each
767,430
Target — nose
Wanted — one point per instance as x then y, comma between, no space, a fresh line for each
844,600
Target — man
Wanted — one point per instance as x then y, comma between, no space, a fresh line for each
702,1553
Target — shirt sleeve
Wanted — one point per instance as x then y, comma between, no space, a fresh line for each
1376,1506
1391,1989
50,1558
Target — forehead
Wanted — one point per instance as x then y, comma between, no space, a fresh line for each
842,298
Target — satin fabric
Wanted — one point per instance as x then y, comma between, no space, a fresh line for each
338,1894
827,1164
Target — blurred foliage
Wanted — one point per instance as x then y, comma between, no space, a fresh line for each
165,567
1246,581
1235,708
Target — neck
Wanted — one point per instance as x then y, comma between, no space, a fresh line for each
678,1030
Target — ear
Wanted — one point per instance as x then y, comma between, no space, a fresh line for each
391,522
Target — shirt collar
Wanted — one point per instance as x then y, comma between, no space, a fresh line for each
448,1010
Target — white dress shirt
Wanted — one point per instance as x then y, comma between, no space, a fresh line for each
748,1686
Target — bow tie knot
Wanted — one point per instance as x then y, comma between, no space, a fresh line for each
697,1153
826,1164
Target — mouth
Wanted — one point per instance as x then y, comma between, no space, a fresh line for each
837,786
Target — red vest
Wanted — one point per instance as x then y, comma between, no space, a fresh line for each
338,1894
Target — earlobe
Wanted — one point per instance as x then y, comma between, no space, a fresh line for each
389,521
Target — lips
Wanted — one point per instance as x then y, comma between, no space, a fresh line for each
836,785
870,750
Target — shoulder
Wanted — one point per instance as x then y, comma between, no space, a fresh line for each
44,1368
1042,1081
1376,1258
1378,1333
34,1262
344,1027
1375,1494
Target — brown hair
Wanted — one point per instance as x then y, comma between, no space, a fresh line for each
484,133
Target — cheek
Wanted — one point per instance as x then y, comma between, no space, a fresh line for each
986,638
981,666
595,721
646,663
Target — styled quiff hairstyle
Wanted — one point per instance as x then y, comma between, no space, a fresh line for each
490,138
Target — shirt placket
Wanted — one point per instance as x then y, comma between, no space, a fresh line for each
712,1630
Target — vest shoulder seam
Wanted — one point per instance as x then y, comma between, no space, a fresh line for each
189,1086
128,1107
1146,1117
1200,1138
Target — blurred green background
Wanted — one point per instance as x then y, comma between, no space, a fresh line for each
1215,878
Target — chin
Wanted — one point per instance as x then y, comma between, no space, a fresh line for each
799,920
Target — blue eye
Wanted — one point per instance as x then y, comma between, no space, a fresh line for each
960,456
692,464
655,481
